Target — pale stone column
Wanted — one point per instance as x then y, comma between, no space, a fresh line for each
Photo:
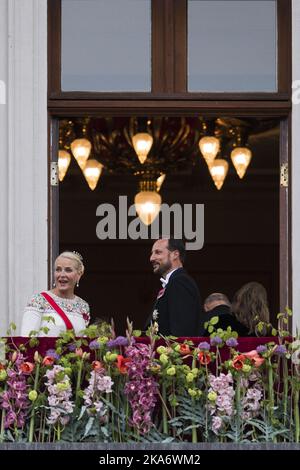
23,150
296,164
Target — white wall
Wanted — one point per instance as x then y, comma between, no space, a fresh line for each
23,155
296,168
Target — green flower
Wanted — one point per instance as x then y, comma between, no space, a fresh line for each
161,349
192,392
164,359
246,368
3,375
63,386
32,395
110,357
68,371
212,396
102,340
190,377
171,371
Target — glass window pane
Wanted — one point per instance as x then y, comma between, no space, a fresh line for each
232,45
106,45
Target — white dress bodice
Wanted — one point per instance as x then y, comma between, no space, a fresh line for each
77,311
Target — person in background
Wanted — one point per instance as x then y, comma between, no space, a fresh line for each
218,305
250,306
64,309
177,308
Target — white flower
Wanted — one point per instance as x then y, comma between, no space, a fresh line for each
155,315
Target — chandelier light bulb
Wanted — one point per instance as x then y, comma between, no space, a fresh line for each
81,149
147,206
241,157
92,172
64,159
218,170
142,143
209,147
160,181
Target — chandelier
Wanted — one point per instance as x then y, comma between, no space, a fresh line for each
150,149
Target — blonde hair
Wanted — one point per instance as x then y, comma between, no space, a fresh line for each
74,257
250,305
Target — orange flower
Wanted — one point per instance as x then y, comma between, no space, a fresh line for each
255,358
121,363
184,349
204,357
26,367
238,362
97,365
48,361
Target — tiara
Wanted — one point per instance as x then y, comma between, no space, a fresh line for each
78,255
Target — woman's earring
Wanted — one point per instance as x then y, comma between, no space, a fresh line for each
54,284
77,285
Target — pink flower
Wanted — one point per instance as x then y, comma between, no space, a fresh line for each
256,359
204,357
79,352
238,361
26,367
48,361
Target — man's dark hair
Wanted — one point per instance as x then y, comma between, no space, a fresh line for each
176,244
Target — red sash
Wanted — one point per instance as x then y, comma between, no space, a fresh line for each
58,310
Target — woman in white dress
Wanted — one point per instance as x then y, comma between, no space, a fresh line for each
64,309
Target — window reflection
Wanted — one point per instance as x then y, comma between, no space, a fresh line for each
106,45
232,45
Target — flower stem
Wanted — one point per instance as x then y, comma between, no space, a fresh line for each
32,418
285,390
2,429
238,405
78,383
296,415
2,425
194,429
58,431
164,409
271,394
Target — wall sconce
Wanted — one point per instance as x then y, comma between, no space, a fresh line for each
64,159
147,202
209,145
241,155
142,141
218,170
92,172
160,181
81,148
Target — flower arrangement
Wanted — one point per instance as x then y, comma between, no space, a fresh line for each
105,388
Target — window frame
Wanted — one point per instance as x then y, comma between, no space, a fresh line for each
169,98
169,58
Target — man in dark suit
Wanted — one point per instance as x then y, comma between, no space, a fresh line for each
177,309
218,305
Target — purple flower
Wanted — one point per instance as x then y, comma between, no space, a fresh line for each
204,345
216,341
52,353
280,350
232,343
119,341
141,388
94,344
261,349
72,347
